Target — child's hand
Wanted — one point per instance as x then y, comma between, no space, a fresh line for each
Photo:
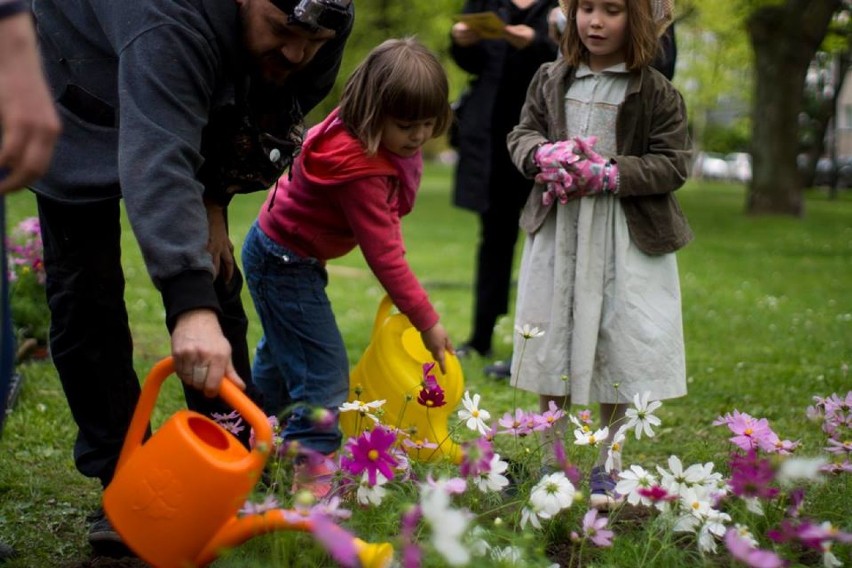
592,173
437,342
557,154
559,184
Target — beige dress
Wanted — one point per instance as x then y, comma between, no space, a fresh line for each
611,313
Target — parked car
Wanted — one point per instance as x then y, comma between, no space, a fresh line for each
826,170
709,165
739,167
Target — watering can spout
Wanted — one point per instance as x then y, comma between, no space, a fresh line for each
239,530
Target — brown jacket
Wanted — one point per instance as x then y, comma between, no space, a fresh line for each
654,152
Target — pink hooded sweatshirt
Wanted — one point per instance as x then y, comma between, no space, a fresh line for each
340,198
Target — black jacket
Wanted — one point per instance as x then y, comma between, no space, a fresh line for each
144,90
496,94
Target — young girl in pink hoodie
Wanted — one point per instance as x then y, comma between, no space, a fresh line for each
356,176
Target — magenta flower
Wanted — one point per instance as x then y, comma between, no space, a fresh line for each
742,550
594,529
431,395
570,470
656,494
839,447
370,452
476,458
752,476
412,555
431,398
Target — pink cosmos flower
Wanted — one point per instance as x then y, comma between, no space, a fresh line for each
339,543
656,494
548,419
594,529
412,555
742,550
231,422
839,447
585,416
370,452
514,424
749,431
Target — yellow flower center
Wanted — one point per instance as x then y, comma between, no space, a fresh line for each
475,414
592,439
430,402
616,447
373,455
695,505
748,432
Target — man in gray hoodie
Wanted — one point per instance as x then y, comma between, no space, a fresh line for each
174,105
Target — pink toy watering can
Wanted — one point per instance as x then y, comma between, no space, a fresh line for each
391,369
174,499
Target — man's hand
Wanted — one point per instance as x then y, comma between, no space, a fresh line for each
28,121
463,35
202,355
519,36
437,342
219,245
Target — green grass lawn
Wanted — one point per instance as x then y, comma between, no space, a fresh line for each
767,306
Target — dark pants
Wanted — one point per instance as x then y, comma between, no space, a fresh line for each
90,339
498,234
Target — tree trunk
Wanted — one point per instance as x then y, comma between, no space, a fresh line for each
785,38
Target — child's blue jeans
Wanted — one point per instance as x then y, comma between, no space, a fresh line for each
301,363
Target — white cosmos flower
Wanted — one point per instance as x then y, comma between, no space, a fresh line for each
613,454
509,554
448,525
678,479
629,482
371,495
712,529
793,470
493,480
589,438
530,516
529,332
552,494
475,418
364,408
642,416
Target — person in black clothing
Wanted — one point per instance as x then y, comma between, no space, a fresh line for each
486,181
174,106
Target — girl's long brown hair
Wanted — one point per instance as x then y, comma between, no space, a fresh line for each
400,79
641,35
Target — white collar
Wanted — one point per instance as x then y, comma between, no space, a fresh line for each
584,70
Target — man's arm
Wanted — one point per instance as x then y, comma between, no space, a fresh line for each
29,124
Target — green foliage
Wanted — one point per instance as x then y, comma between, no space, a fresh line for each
767,315
725,139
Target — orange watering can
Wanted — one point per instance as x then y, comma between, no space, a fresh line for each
391,369
174,499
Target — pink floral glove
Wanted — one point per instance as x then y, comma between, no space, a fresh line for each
592,173
559,184
557,154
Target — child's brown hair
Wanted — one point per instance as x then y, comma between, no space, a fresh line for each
641,35
400,79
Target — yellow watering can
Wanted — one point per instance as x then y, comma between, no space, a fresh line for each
174,499
391,369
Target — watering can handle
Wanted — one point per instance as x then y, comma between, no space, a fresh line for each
229,392
382,314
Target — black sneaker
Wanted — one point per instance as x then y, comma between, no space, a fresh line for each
498,370
103,538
